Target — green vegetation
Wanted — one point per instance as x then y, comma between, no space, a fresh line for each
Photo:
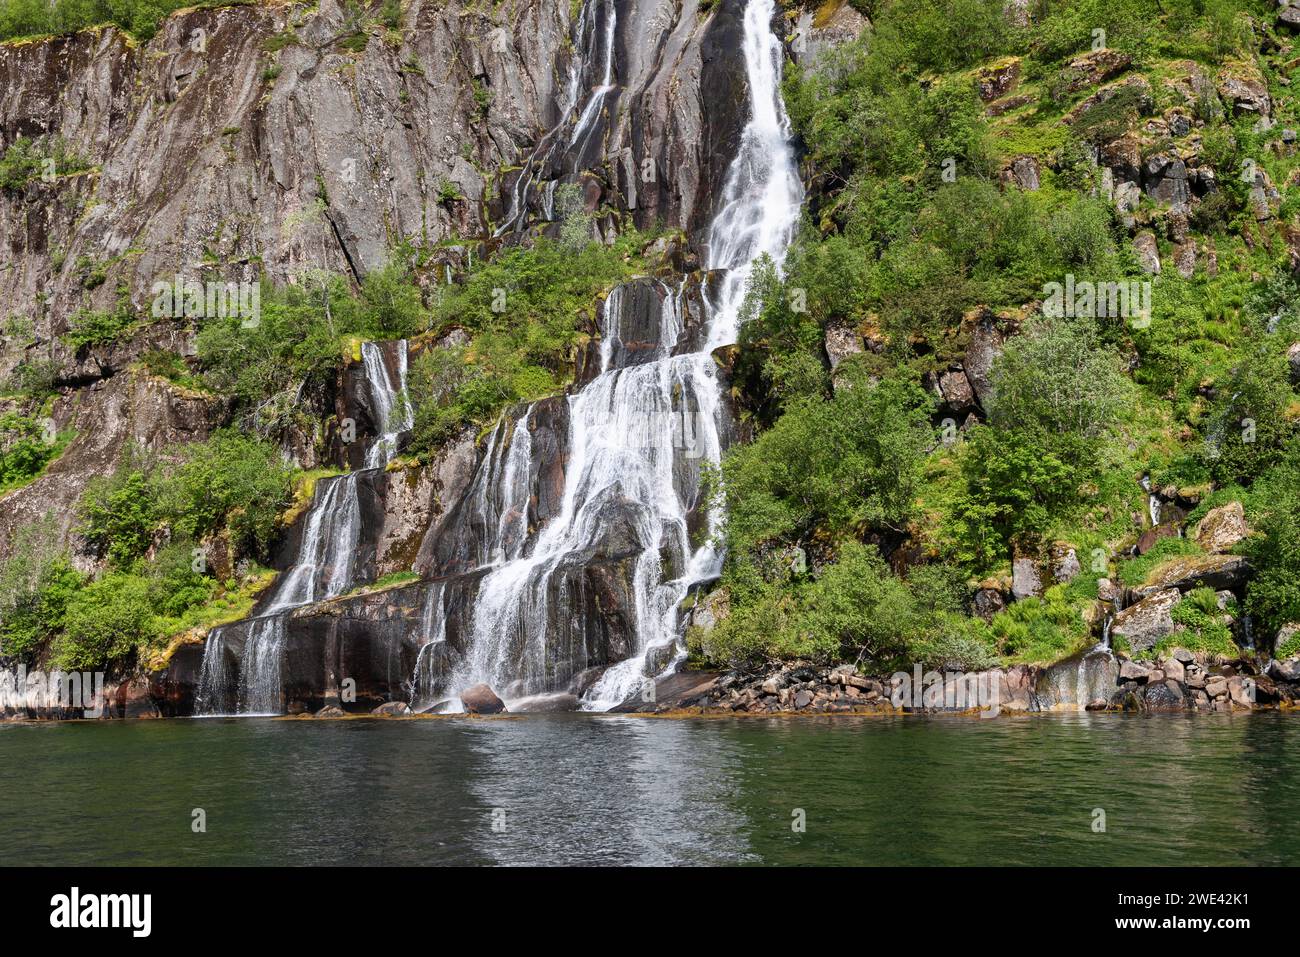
233,482
301,336
27,18
147,519
26,161
521,310
918,240
27,445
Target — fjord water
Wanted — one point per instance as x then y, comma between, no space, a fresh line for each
586,789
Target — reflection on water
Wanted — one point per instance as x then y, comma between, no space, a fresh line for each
570,789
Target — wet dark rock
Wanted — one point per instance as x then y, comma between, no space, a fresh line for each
988,602
480,699
1164,696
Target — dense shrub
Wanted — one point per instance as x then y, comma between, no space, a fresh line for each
838,466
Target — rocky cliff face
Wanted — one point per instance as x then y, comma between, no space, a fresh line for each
261,141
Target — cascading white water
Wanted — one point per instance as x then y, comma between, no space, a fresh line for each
630,426
325,565
392,410
591,44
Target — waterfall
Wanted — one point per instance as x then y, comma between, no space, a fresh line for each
393,413
325,564
592,45
638,436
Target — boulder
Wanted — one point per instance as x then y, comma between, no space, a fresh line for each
1194,571
1094,67
986,340
988,602
331,711
1182,656
1065,563
1164,695
480,699
1164,179
829,27
1123,157
1289,18
1216,686
1133,671
1025,579
1022,171
391,708
1241,690
1222,528
1144,624
841,342
1148,253
1284,634
1244,90
710,609
997,79
1015,688
1288,670
956,390
1293,361
1173,668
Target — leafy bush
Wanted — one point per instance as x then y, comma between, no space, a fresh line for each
833,467
232,480
27,445
103,622
1040,630
1012,490
35,585
19,18
522,310
1273,595
26,160
90,327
